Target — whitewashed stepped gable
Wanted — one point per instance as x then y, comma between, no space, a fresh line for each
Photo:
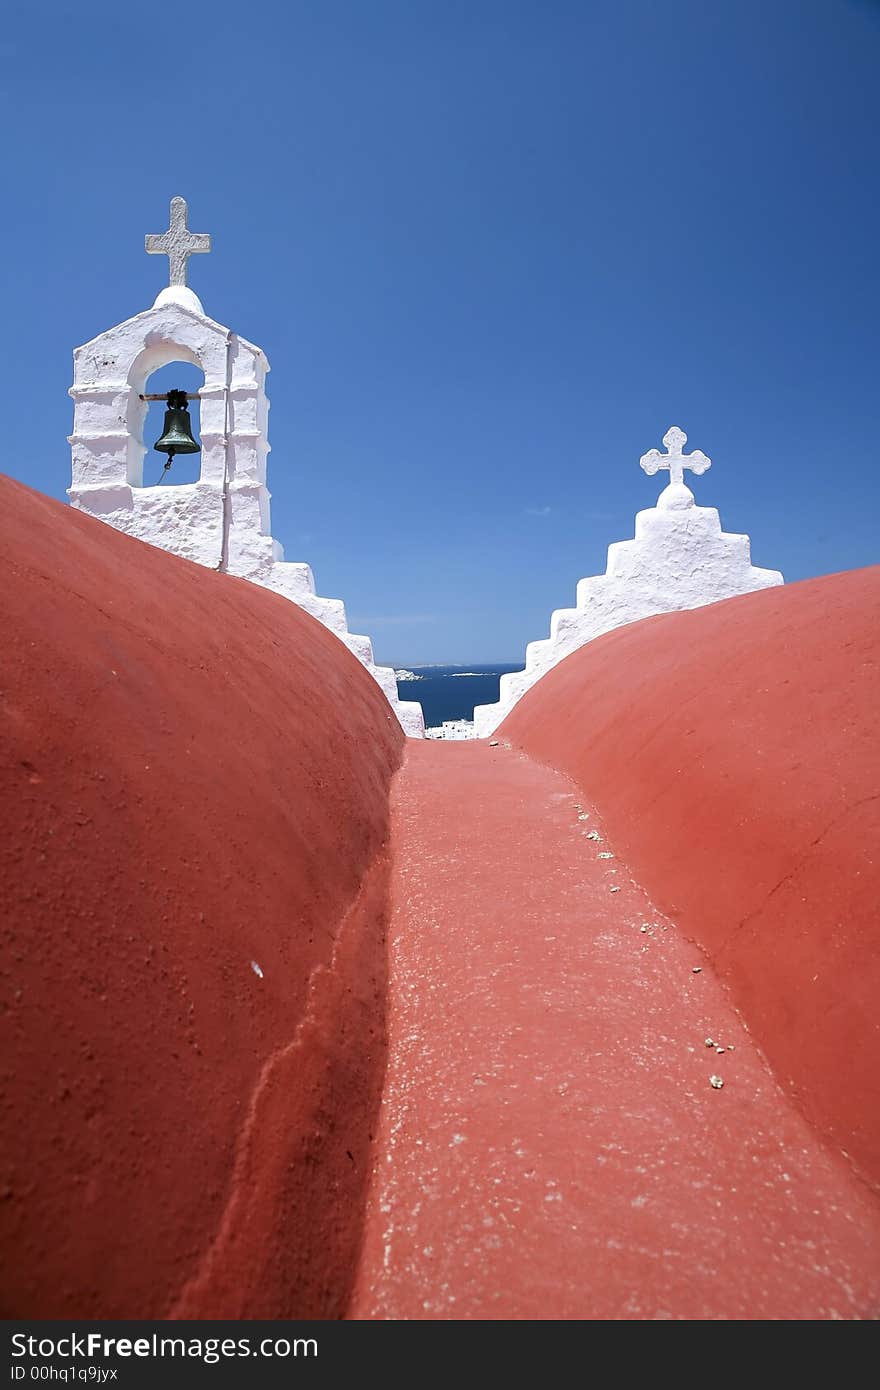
680,558
108,453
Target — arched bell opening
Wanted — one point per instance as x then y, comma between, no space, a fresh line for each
184,467
160,368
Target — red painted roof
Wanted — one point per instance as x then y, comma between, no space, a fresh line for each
195,890
550,1142
734,754
194,820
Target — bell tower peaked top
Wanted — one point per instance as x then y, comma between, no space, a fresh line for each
679,558
222,520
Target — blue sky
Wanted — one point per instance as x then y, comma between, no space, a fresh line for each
492,249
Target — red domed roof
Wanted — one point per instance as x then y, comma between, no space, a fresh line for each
734,753
194,824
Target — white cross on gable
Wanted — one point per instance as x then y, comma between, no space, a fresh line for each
178,243
675,440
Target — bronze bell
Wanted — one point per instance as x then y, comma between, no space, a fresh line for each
177,435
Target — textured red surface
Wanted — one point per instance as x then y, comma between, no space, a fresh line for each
549,1143
734,754
194,777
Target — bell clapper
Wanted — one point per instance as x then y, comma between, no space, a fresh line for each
161,477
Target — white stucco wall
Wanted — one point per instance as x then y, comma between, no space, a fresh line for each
223,520
679,558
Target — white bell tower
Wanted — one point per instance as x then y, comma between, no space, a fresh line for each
222,520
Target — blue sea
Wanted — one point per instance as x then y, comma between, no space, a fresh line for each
450,692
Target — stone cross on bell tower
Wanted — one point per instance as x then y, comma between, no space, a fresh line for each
178,243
